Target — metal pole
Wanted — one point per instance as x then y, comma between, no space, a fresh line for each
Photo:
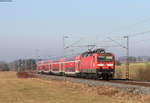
37,55
127,54
127,58
63,45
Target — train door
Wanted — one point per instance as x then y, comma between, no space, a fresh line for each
61,67
77,66
49,68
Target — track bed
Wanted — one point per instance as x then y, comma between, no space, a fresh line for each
137,87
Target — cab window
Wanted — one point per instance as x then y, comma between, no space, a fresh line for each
105,58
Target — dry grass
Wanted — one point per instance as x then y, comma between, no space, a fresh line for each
19,90
138,71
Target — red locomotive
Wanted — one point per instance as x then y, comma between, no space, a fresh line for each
96,63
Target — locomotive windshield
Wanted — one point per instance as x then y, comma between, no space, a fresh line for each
105,58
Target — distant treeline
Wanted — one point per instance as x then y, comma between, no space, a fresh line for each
19,65
30,64
134,59
4,66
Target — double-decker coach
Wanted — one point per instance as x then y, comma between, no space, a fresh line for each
96,63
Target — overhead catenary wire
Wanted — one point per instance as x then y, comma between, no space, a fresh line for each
141,41
112,40
119,44
139,33
73,43
133,25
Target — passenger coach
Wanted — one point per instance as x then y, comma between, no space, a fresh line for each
93,64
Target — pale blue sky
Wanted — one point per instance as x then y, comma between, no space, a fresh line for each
28,25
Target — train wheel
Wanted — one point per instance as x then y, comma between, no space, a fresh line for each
41,72
49,73
105,77
98,76
110,77
78,75
38,72
63,74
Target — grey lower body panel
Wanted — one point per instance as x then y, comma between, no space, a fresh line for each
97,70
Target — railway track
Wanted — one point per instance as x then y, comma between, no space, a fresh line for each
137,87
118,81
131,82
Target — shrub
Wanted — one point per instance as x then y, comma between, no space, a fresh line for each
118,63
144,73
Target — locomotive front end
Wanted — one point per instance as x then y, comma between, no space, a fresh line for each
106,65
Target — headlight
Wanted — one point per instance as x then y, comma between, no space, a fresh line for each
109,64
100,64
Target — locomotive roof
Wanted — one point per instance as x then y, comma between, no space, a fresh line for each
99,51
95,51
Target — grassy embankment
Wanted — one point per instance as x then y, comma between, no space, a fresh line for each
138,71
17,90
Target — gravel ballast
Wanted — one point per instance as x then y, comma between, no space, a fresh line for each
135,89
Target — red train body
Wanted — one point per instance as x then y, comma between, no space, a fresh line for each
97,63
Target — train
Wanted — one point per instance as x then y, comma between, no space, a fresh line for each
96,63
